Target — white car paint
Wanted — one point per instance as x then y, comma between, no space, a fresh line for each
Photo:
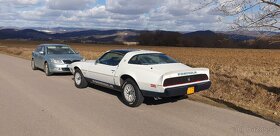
144,75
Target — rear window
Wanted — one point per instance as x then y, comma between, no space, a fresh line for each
151,59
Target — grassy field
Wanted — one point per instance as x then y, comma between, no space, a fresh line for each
243,79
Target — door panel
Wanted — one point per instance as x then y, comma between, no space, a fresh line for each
105,67
41,58
103,73
85,68
36,56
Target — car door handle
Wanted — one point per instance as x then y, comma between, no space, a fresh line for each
113,70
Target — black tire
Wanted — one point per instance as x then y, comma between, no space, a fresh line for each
47,70
136,97
82,83
33,66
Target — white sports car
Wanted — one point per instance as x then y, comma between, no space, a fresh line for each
140,73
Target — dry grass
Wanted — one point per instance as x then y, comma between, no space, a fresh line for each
243,79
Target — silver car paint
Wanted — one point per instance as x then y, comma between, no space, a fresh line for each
40,57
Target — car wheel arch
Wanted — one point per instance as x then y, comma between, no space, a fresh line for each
125,77
32,59
33,64
76,68
45,62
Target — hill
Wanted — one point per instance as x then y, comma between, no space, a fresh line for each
158,38
88,36
28,34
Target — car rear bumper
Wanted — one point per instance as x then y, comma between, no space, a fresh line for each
178,91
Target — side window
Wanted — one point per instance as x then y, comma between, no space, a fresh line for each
38,49
43,49
134,60
111,58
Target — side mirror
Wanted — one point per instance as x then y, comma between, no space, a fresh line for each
41,53
96,62
77,52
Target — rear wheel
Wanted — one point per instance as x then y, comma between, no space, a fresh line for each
80,81
47,70
131,94
33,65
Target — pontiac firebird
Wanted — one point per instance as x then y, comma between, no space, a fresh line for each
140,73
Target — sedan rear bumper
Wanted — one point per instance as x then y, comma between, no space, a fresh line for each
178,91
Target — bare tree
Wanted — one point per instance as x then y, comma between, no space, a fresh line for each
251,14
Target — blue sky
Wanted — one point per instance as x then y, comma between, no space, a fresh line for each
175,15
101,2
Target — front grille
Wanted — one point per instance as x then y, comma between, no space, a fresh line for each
184,79
65,69
70,61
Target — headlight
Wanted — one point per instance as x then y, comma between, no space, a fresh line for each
57,61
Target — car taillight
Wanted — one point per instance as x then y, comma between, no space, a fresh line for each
184,79
153,86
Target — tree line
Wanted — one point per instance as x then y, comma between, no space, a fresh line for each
205,39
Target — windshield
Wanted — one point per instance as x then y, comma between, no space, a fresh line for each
151,59
59,50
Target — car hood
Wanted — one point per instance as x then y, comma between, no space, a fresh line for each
65,56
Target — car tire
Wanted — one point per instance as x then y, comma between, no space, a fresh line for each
79,79
33,66
47,70
131,93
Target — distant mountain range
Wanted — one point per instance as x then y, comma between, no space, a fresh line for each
111,36
88,36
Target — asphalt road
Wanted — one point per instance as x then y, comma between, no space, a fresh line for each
32,104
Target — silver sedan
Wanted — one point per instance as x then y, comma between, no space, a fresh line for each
54,58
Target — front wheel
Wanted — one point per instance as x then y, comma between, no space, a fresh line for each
33,66
47,70
131,94
80,81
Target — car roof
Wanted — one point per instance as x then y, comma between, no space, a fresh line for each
132,51
123,51
145,52
53,45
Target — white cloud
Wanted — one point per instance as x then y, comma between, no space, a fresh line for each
97,12
40,14
186,6
21,2
131,6
69,4
27,1
135,14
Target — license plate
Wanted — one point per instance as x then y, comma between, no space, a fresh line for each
190,90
